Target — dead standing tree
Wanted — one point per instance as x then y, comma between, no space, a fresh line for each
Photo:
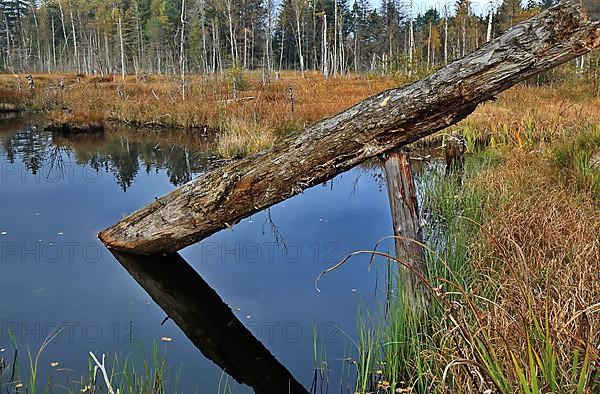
374,126
408,235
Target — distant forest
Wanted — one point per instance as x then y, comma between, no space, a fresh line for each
208,36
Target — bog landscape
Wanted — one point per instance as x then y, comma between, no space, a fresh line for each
304,196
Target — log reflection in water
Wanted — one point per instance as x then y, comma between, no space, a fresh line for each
208,322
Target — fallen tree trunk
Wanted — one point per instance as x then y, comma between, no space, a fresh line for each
376,125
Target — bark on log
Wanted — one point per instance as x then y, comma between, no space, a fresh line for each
376,125
209,323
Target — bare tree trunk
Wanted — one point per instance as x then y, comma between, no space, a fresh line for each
335,38
269,42
325,54
281,50
53,45
204,48
405,219
8,54
342,54
62,20
182,51
488,37
464,35
411,38
37,39
75,52
232,38
123,70
356,48
383,122
445,33
429,46
299,34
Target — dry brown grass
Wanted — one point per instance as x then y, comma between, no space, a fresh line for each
545,253
241,137
209,103
528,116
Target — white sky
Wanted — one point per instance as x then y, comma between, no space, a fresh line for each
480,7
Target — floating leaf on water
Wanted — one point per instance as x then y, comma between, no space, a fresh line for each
166,339
54,364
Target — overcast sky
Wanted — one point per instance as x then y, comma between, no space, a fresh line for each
480,7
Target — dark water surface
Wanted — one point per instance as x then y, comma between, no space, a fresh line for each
57,193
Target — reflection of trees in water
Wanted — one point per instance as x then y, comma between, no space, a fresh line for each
122,157
30,146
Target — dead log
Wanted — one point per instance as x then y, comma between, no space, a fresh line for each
209,323
376,125
405,219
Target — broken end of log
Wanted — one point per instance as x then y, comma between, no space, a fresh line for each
112,243
114,240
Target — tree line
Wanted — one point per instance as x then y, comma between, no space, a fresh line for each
208,36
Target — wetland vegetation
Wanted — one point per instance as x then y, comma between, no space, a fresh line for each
510,242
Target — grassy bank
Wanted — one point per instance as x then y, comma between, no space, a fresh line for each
513,262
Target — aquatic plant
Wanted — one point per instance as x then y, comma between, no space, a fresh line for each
513,284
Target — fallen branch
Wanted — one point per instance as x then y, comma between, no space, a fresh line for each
376,125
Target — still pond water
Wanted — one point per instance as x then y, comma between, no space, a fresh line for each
57,193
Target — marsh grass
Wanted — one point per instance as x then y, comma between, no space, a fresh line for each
140,374
239,137
579,160
210,101
512,258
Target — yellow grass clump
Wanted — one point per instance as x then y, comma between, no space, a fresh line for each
241,138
